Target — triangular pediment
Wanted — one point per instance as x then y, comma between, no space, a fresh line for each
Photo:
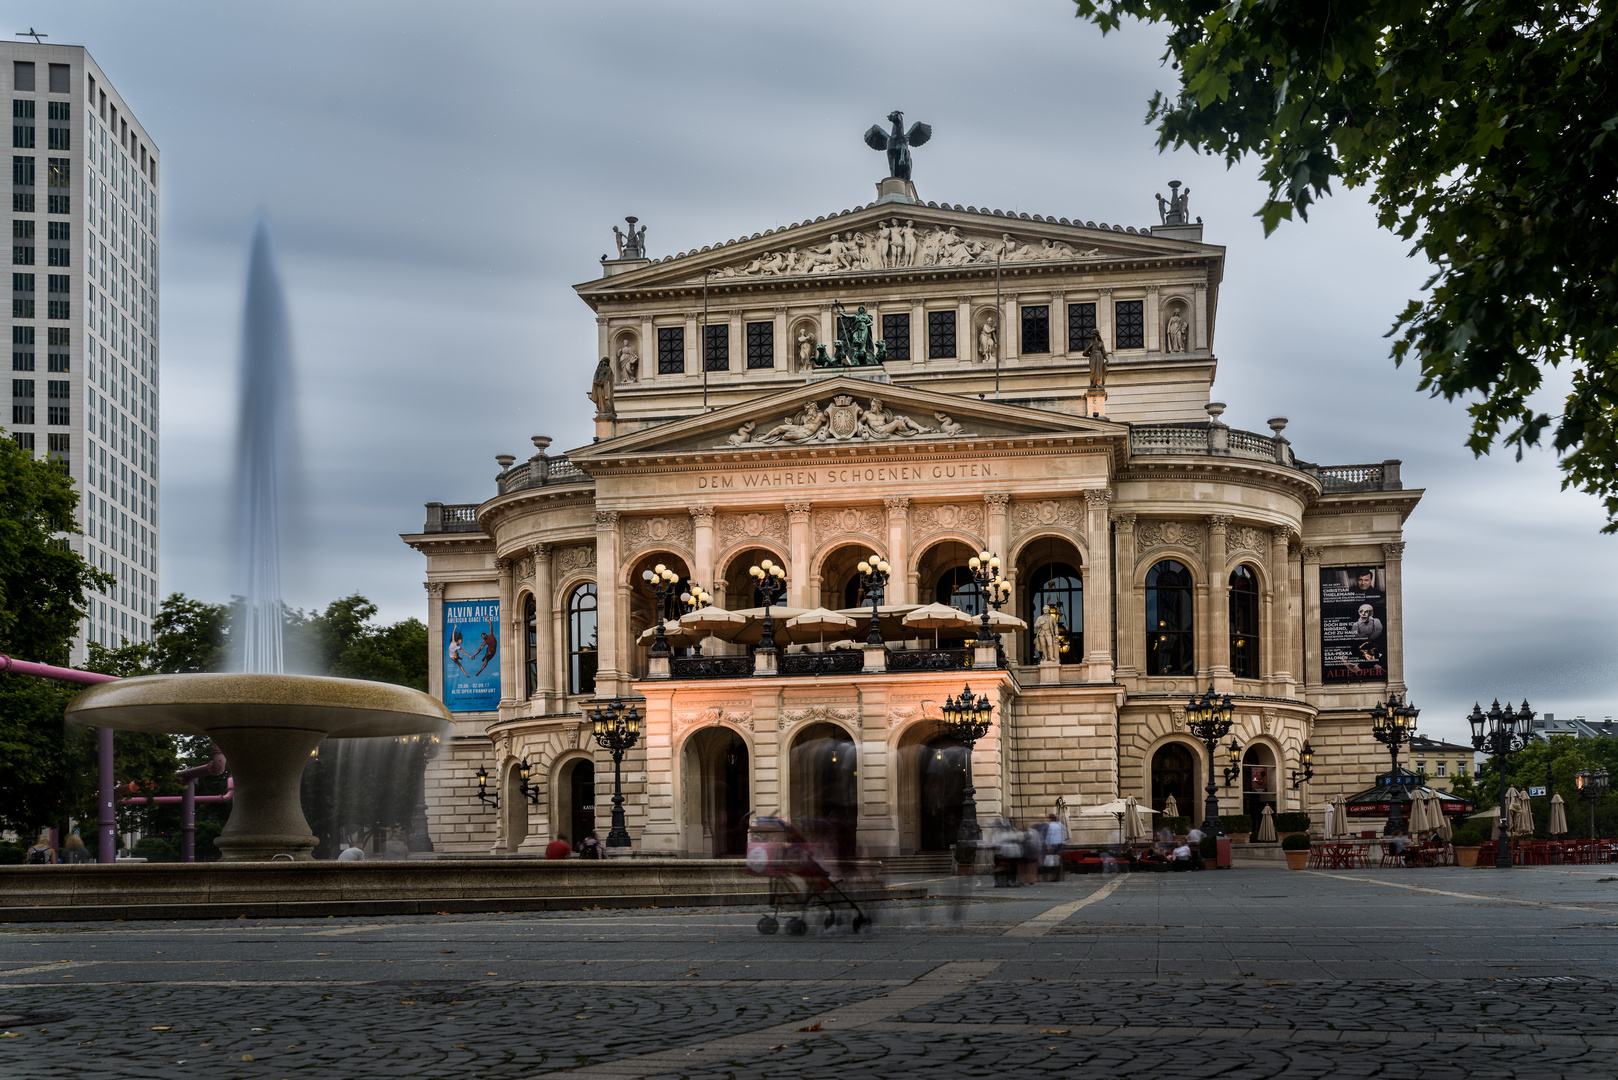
843,412
898,238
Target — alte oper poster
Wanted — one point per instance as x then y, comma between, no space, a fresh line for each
1353,624
472,655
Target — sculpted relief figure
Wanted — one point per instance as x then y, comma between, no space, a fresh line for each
801,428
1174,334
988,341
628,363
744,434
946,426
898,243
806,350
843,420
880,425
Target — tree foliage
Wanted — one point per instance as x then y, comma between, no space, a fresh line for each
1564,756
1487,133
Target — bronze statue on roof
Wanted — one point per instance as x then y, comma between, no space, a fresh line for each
898,143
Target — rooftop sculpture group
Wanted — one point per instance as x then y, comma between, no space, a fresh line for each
898,243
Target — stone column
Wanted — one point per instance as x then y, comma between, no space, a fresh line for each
1218,602
508,652
1104,320
1010,329
435,638
1098,587
702,546
1199,317
995,534
1310,620
603,344
966,337
1393,556
544,688
1154,331
1124,596
693,348
648,348
898,554
608,613
783,348
828,327
918,335
801,590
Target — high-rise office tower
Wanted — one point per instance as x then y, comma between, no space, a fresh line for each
84,355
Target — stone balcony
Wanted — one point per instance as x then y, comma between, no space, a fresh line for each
1210,438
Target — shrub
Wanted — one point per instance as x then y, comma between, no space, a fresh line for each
155,849
1237,823
1209,847
1177,825
1292,821
1295,842
1471,834
12,854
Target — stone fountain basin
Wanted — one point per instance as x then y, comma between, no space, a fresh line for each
266,726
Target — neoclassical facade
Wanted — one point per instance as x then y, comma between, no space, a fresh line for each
1044,393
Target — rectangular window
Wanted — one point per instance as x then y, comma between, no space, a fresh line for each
58,309
22,282
61,79
22,414
1081,326
22,361
22,256
22,109
59,389
22,307
58,230
58,362
1460,768
58,336
22,171
58,204
57,415
61,139
59,110
896,333
24,439
59,442
716,347
61,172
940,335
22,203
22,136
671,350
1036,329
22,388
760,345
1441,766
58,256
58,283
1129,323
22,335
22,75
22,230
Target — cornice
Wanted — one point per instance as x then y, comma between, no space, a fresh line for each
1272,475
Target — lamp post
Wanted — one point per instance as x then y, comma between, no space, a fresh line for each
1592,785
874,581
1392,724
1308,772
967,718
661,580
529,791
1208,719
992,590
1501,733
420,839
1233,761
485,796
616,730
772,582
695,598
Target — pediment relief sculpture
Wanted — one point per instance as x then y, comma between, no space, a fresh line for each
1154,534
898,243
842,420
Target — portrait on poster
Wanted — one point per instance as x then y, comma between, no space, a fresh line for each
471,655
1353,624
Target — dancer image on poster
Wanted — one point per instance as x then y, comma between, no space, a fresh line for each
489,648
456,652
1369,627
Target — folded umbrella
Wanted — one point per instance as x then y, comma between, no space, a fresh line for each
1266,825
1170,807
1558,817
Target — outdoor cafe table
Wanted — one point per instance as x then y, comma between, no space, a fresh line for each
1340,854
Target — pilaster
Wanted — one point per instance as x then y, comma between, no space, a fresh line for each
1392,562
508,652
1218,603
898,543
801,590
1125,606
702,545
1098,587
966,337
1311,620
435,638
1199,315
1010,329
609,666
1104,319
996,535
782,353
544,688
1154,331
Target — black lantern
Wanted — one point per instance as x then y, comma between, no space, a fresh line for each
1592,784
1501,733
772,582
1392,725
661,580
617,728
1307,756
874,582
485,796
529,791
1233,762
993,590
968,718
1208,718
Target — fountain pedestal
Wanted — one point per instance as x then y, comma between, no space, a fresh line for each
266,726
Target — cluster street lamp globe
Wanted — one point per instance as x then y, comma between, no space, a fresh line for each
695,598
772,582
1501,733
1592,784
967,718
992,588
874,581
1208,718
616,729
662,582
1392,724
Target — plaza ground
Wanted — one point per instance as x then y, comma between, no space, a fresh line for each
1254,972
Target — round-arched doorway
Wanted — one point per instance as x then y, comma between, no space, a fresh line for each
1174,772
932,788
824,766
717,792
1258,782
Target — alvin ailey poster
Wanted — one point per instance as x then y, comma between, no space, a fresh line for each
1353,624
472,655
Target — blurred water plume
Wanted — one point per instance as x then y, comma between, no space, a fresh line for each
264,450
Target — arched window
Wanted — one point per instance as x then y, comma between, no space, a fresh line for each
957,589
1058,586
530,624
853,592
1168,620
1244,623
581,640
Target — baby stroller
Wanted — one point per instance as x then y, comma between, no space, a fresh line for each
798,878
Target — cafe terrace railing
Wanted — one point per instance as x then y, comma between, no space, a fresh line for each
840,662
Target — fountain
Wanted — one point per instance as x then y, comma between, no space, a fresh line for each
266,723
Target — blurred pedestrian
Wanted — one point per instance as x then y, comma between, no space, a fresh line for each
1055,836
558,848
591,847
43,853
73,849
1193,840
350,853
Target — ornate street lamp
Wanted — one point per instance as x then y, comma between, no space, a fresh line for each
1393,724
1501,733
529,791
1592,785
661,580
485,796
874,581
772,582
695,598
992,590
616,730
1233,761
1208,718
1308,772
967,718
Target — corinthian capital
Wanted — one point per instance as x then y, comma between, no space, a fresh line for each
1393,552
1098,498
997,500
606,517
897,507
701,515
435,589
1219,521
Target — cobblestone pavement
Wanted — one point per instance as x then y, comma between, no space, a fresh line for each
1255,972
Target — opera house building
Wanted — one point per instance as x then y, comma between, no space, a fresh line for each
907,416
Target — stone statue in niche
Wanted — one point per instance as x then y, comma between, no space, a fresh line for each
601,390
988,341
946,426
1047,636
628,362
1174,334
806,350
1097,353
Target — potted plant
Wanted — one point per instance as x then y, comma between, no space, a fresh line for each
1239,827
1293,821
1296,846
1468,842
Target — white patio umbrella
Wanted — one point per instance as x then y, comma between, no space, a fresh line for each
1493,815
1523,816
1134,824
1418,814
1341,803
1266,825
1441,821
676,635
754,630
819,620
999,621
713,622
1330,826
935,617
1170,807
888,618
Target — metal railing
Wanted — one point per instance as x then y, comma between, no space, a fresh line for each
710,667
929,659
841,662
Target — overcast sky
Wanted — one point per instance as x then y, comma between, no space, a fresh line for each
436,177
